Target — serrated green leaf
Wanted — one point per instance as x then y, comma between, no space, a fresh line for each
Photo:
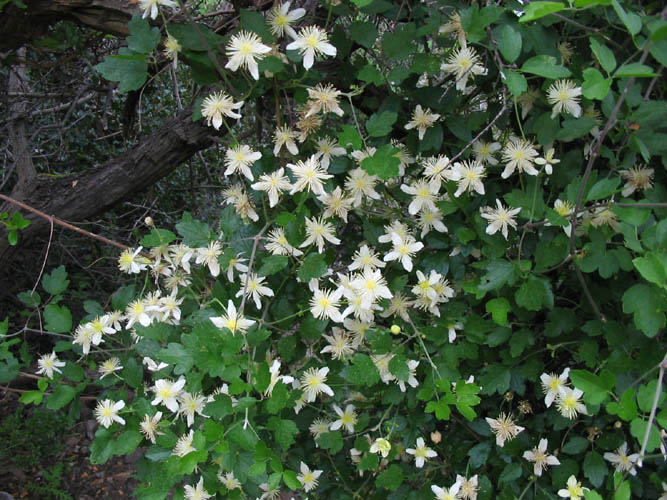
332,441
652,267
143,39
130,71
535,294
313,266
595,468
56,281
498,308
272,264
383,163
596,387
62,395
364,33
391,478
379,125
58,318
158,237
283,431
362,371
195,233
127,442
398,44
254,21
647,305
595,86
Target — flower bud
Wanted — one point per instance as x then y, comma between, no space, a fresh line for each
436,437
395,329
149,221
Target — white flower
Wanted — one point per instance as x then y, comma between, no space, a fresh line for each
451,331
150,7
324,304
381,446
504,428
277,244
232,320
308,478
285,136
196,492
365,258
398,306
519,154
167,392
309,176
318,427
412,379
421,120
337,205
568,403
280,19
241,158
229,481
152,365
484,152
209,256
463,63
326,148
622,461
184,444
548,161
172,48
403,251
252,285
469,487
107,367
324,98
371,286
431,219
446,493
48,364
574,489
106,412
437,169
276,377
455,28
553,385
317,231
361,184
149,426
235,263
244,49
191,404
499,218
564,95
637,178
425,195
310,41
218,104
421,453
469,175
131,262
274,184
313,383
541,458
339,344
347,419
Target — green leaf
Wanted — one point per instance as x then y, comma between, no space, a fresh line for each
127,442
369,74
61,396
515,81
254,21
270,63
510,473
379,125
603,188
349,137
313,266
496,379
58,318
635,70
364,33
536,10
399,43
499,272
158,237
509,43
575,128
34,397
626,408
479,454
595,468
595,86
498,308
272,264
535,294
291,481
362,371
101,449
133,373
646,395
622,491
56,281
383,163
175,354
638,429
391,478
278,400
122,297
576,445
603,54
30,299
131,71
632,21
652,267
143,38
283,431
545,66
195,233
647,304
596,387
245,438
398,367
332,441
369,461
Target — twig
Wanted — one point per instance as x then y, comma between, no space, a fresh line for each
54,220
656,398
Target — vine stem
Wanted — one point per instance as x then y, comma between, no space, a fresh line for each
656,398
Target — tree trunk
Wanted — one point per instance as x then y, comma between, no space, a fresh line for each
79,196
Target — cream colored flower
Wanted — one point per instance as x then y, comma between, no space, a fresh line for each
324,98
468,175
244,50
500,218
574,489
318,230
313,383
218,104
548,161
519,154
541,458
274,184
463,63
504,428
309,176
310,42
280,19
564,95
421,120
240,159
172,48
637,178
150,7
421,452
285,136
